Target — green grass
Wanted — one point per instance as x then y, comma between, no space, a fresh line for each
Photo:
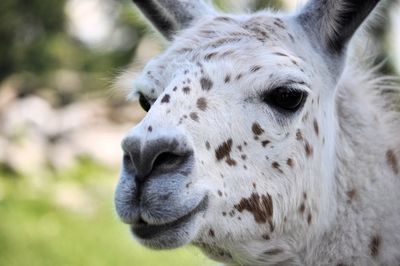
68,219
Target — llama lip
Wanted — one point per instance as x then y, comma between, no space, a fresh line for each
144,230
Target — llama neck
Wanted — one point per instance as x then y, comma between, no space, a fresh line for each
366,187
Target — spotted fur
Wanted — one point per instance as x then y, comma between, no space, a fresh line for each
318,186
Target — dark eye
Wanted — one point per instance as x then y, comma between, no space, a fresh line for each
286,99
144,103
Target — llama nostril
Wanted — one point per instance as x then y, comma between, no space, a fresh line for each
169,160
128,162
143,159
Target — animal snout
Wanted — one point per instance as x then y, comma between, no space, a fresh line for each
154,173
144,158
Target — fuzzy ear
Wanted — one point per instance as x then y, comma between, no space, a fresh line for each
333,22
171,16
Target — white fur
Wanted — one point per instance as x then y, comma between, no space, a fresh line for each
356,128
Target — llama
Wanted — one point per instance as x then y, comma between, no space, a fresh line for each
264,144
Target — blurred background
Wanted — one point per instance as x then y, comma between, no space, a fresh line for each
61,122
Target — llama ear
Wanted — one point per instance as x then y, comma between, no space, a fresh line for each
171,16
333,22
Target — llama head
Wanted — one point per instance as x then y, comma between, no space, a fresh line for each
236,152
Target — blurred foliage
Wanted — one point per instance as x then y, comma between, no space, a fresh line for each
35,42
252,5
26,30
52,220
262,4
379,31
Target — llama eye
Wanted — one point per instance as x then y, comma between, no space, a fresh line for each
286,99
144,103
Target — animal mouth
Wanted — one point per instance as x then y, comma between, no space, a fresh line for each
145,230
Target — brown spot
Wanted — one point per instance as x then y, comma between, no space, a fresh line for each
266,237
206,83
274,251
220,193
279,23
294,62
150,128
305,117
351,194
239,76
230,161
260,207
305,195
194,116
308,148
309,218
391,159
299,135
265,143
280,54
208,146
202,103
188,184
175,88
239,147
257,129
243,156
185,50
224,151
227,78
223,213
316,127
165,99
211,233
228,19
255,68
277,166
186,90
290,162
302,208
208,32
221,41
226,53
210,55
374,245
